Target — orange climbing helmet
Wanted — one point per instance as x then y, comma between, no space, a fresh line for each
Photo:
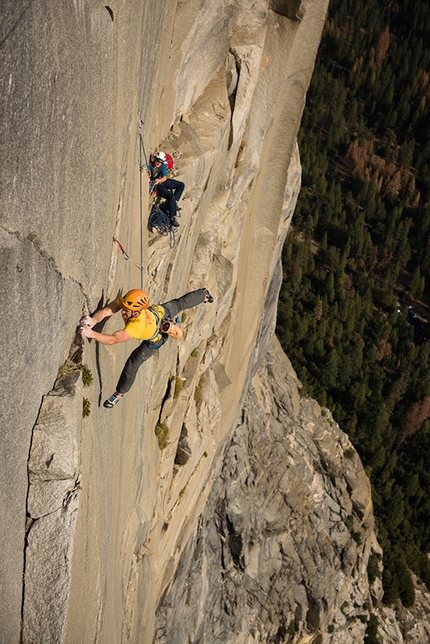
135,300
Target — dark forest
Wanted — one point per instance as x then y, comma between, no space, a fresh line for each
354,311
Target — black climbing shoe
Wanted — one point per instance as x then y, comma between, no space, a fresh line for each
208,297
112,401
174,223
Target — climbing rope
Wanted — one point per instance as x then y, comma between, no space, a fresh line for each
141,149
160,221
127,257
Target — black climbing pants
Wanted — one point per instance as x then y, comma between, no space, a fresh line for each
144,351
171,190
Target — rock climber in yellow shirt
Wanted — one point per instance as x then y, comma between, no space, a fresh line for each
151,324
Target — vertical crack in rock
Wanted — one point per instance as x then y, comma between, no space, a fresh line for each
52,507
233,65
183,451
235,543
28,523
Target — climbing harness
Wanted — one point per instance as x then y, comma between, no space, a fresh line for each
160,313
127,257
163,317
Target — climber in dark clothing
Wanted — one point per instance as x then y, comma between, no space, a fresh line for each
151,324
169,189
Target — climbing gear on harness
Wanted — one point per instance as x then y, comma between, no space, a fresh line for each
160,221
135,300
165,326
159,312
168,327
126,256
112,401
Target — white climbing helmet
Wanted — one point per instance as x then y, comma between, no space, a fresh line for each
160,156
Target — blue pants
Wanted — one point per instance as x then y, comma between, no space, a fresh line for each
144,351
171,190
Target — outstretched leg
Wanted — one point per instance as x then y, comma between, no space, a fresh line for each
187,301
131,367
129,373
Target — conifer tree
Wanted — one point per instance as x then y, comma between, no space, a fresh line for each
364,207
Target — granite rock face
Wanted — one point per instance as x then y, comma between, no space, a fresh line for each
282,545
98,524
205,77
52,508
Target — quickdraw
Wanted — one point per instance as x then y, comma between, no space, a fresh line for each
127,257
142,146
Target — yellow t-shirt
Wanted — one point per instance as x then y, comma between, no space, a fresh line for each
145,325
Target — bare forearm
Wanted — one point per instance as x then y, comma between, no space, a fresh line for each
104,338
105,312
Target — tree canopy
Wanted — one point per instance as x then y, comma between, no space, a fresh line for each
354,305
